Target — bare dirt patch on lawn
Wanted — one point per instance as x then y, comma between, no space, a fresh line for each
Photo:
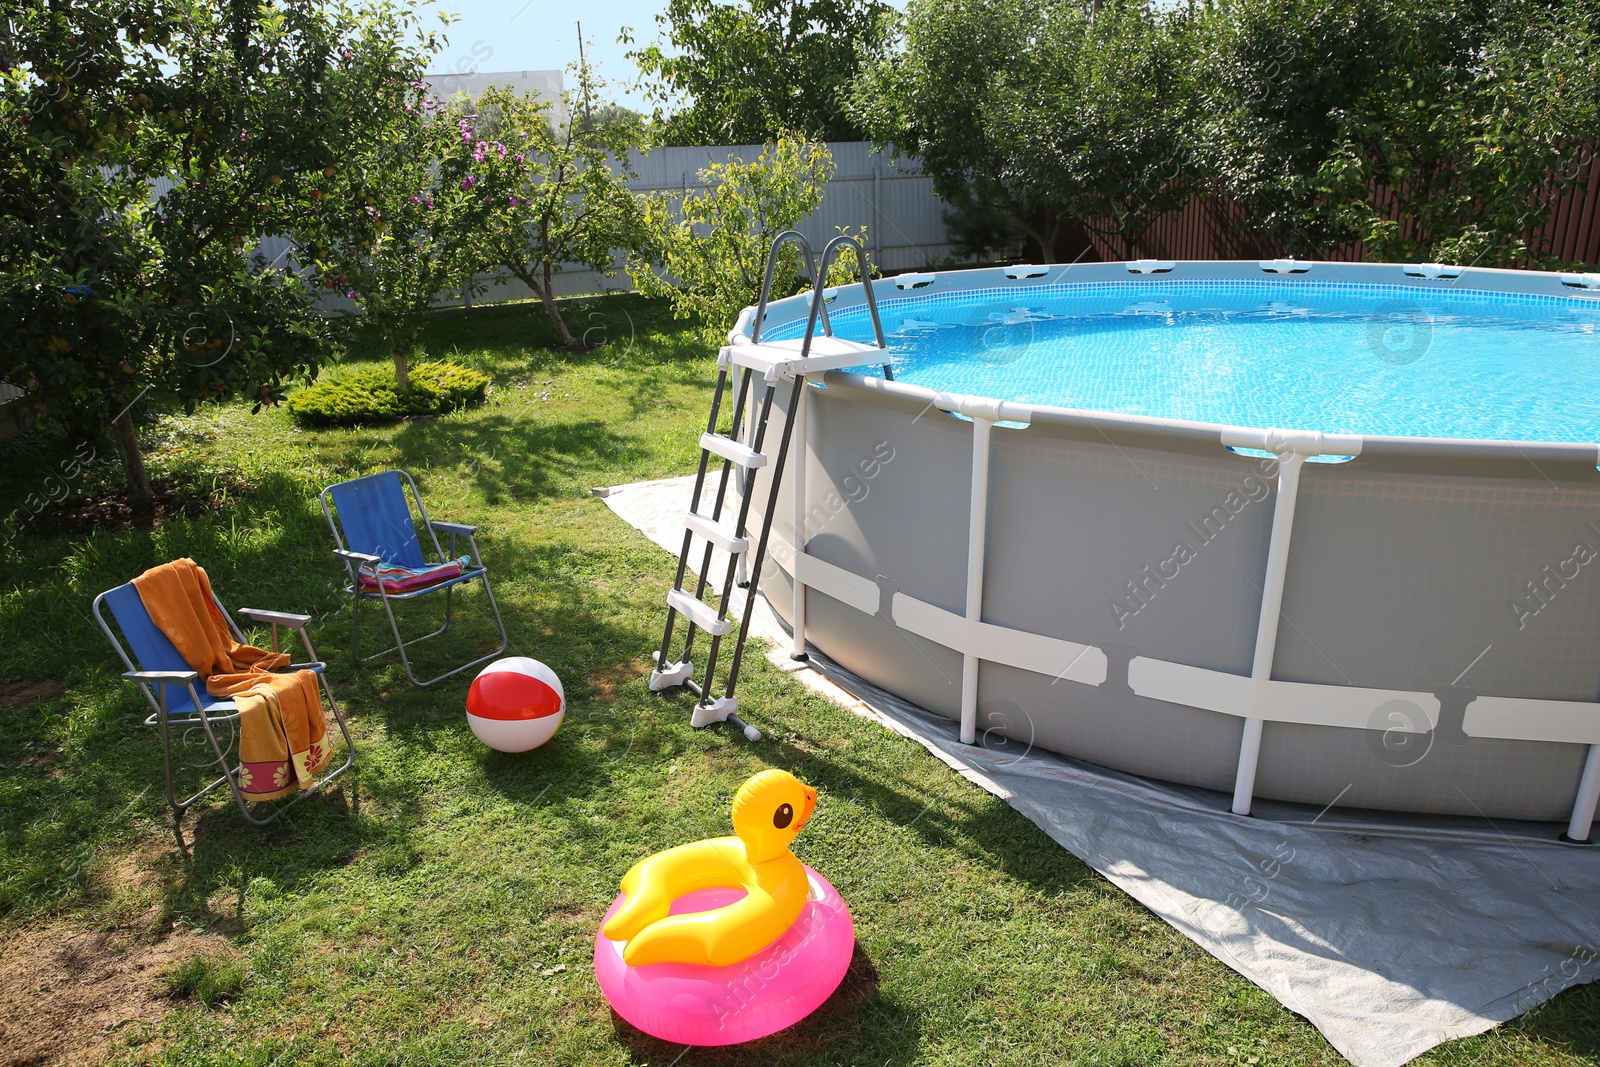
27,694
66,992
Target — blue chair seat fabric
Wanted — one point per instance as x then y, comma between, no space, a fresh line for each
372,516
376,520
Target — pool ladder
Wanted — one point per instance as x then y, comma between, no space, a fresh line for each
773,361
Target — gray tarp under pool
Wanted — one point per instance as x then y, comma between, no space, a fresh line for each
1389,937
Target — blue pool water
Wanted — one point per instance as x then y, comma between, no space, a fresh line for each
1343,358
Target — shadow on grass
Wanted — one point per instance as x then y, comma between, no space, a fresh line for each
637,338
518,458
850,1022
983,829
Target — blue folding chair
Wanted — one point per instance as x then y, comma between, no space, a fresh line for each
372,524
169,687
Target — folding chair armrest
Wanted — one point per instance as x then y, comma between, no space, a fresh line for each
167,677
284,618
455,529
357,557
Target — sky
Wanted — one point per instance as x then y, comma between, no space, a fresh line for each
507,35
497,36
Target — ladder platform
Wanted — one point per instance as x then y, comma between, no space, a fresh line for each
698,612
716,533
730,449
781,359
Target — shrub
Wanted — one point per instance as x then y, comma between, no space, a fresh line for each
370,395
713,249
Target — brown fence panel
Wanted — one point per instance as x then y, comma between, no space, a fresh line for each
1218,228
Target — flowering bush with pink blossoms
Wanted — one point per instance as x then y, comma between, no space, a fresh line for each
397,224
561,199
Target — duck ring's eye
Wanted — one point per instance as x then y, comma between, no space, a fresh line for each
783,816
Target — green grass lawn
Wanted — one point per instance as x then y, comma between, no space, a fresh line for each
446,913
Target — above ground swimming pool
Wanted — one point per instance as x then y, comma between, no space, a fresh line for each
1313,532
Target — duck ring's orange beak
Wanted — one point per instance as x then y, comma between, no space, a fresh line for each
811,806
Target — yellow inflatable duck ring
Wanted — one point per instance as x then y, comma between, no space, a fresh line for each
768,811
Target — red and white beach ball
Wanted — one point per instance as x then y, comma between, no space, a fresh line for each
515,704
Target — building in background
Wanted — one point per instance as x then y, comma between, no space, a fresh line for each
543,84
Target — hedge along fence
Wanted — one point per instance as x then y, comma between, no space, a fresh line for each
1218,228
905,224
892,198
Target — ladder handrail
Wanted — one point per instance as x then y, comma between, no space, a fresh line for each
864,269
766,283
817,302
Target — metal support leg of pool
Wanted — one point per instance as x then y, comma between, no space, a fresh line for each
977,534
1588,796
802,450
1289,463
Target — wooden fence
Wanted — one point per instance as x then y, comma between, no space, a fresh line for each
1214,228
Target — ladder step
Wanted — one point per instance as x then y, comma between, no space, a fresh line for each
729,449
716,533
698,613
782,359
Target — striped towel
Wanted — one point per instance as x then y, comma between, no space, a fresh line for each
393,578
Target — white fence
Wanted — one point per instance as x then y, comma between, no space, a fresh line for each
892,198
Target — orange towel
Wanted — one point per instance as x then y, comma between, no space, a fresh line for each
283,737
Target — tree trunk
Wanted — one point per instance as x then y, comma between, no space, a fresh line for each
141,498
1034,245
401,357
545,287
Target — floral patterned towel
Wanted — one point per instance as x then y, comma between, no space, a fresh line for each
283,737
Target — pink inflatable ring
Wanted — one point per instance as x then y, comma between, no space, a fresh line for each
777,987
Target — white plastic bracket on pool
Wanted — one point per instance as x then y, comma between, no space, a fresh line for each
1306,443
1151,266
1581,281
1433,271
1284,266
983,407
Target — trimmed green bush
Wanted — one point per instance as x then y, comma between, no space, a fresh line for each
370,395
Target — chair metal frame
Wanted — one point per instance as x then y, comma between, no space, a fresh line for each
212,710
353,561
